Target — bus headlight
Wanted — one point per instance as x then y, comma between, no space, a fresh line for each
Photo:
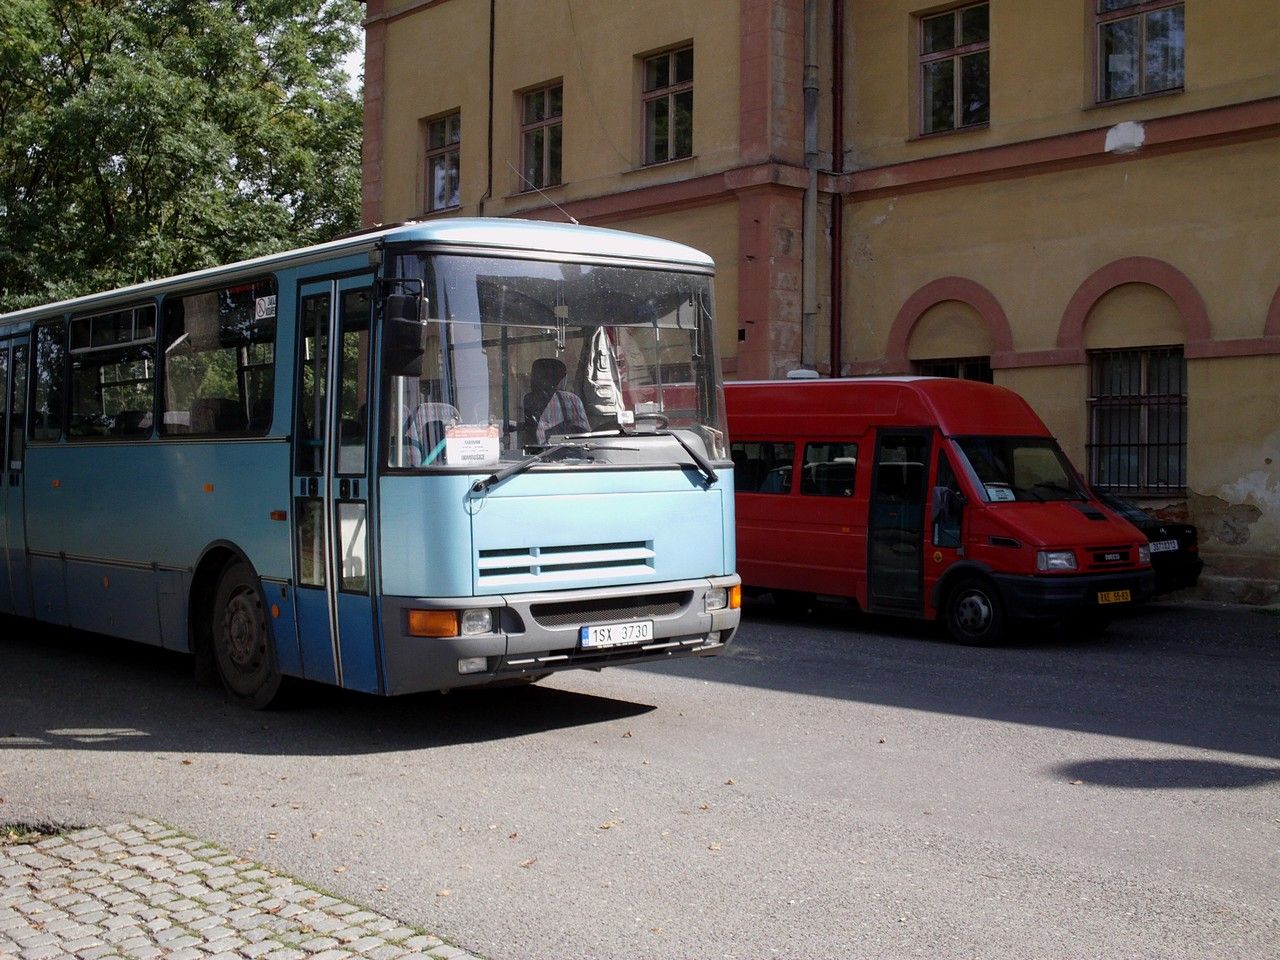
1144,553
1051,560
717,598
476,621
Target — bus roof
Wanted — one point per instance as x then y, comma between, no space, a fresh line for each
836,407
481,233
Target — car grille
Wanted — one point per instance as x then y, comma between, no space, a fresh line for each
608,609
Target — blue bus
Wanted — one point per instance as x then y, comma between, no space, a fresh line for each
423,457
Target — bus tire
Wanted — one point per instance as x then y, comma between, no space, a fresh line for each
243,646
974,612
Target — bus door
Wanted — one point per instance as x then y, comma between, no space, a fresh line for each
896,522
15,580
331,513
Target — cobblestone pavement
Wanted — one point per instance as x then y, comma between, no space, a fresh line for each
141,890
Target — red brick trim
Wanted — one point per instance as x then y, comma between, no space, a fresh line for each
1156,273
930,295
1236,123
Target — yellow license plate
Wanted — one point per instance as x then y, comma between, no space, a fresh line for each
1114,596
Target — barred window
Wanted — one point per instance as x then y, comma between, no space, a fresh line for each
962,368
1138,420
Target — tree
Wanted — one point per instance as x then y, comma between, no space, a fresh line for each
144,138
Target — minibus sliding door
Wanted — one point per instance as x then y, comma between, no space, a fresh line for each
896,522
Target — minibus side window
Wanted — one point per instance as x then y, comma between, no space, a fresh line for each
946,523
762,467
829,469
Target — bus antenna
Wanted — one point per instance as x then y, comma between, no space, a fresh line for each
543,195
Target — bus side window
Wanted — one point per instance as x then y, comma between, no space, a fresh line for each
829,469
762,467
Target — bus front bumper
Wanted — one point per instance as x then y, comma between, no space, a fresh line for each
1051,598
537,633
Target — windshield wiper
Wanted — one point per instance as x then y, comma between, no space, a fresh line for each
480,486
702,463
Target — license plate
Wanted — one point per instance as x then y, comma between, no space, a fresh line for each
1113,596
1163,546
615,634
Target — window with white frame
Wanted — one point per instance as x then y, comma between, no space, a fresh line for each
1138,420
540,136
1141,47
667,98
444,145
955,69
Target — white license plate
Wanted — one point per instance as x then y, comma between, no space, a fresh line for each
615,634
1164,546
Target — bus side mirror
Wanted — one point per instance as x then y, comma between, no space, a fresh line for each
404,331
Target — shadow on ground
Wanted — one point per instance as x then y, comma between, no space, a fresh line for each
69,689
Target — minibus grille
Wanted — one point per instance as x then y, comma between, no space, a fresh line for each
526,566
1108,558
606,609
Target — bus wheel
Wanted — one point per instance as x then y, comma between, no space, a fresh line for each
242,643
974,613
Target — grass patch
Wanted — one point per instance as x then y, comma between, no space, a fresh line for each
12,834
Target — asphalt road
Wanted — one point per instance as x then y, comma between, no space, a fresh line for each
834,787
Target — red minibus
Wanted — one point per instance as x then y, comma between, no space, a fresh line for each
923,497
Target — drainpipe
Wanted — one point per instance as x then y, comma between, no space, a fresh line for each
809,288
488,190
837,200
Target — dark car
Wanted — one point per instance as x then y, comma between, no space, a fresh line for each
1175,547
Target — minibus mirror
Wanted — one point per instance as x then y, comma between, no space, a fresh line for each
947,503
403,334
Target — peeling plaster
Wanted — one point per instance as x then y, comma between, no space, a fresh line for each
1223,520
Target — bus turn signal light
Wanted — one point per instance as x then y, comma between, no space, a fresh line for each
433,623
735,597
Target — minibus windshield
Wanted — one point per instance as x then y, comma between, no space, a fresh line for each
1020,468
520,354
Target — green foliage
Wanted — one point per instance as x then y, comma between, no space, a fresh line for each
144,138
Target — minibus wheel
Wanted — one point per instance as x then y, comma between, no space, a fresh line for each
243,646
974,612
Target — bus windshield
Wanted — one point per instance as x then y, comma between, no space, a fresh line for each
518,354
1020,468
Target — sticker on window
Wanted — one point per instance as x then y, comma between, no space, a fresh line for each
264,308
471,445
999,492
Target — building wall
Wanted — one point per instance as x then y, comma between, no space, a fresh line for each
1058,227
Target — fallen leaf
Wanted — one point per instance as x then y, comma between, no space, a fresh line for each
528,863
444,893
704,806
655,929
315,834
882,739
186,763
339,869
713,846
1076,783
730,782
512,835
608,825
381,888
273,836
626,735
274,910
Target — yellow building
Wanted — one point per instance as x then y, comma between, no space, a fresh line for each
1079,199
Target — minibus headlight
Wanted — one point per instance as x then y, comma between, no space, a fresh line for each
1144,553
1050,560
717,598
476,621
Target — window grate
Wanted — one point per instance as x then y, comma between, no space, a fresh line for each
1138,421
